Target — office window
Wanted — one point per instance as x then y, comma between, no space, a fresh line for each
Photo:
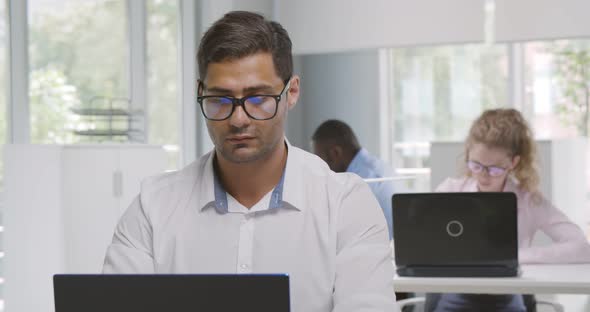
436,92
557,90
557,86
162,53
78,59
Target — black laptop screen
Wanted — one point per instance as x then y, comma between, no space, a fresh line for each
171,293
462,229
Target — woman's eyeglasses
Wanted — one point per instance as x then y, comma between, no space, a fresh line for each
493,171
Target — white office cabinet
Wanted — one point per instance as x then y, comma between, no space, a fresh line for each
62,205
33,227
89,174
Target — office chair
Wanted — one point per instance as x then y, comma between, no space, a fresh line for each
416,304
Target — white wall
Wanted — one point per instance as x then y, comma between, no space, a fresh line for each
343,86
541,19
296,116
213,10
264,7
348,25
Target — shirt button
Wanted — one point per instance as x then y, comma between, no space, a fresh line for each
244,266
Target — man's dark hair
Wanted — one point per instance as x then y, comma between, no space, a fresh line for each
336,132
239,34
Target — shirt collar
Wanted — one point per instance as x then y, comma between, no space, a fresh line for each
294,187
213,194
356,162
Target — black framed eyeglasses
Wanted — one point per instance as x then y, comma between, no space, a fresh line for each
256,106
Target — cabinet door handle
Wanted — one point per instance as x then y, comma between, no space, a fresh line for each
117,183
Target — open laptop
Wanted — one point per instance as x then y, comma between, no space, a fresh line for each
171,293
455,234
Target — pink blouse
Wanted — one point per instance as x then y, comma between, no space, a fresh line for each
569,244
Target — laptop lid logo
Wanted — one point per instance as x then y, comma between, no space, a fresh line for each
454,228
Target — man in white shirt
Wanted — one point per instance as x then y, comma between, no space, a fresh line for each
256,204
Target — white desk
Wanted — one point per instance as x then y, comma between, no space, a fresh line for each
535,279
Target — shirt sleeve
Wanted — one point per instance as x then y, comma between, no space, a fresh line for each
569,244
384,191
364,266
131,249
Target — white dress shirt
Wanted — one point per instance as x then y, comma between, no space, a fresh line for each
325,229
368,166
